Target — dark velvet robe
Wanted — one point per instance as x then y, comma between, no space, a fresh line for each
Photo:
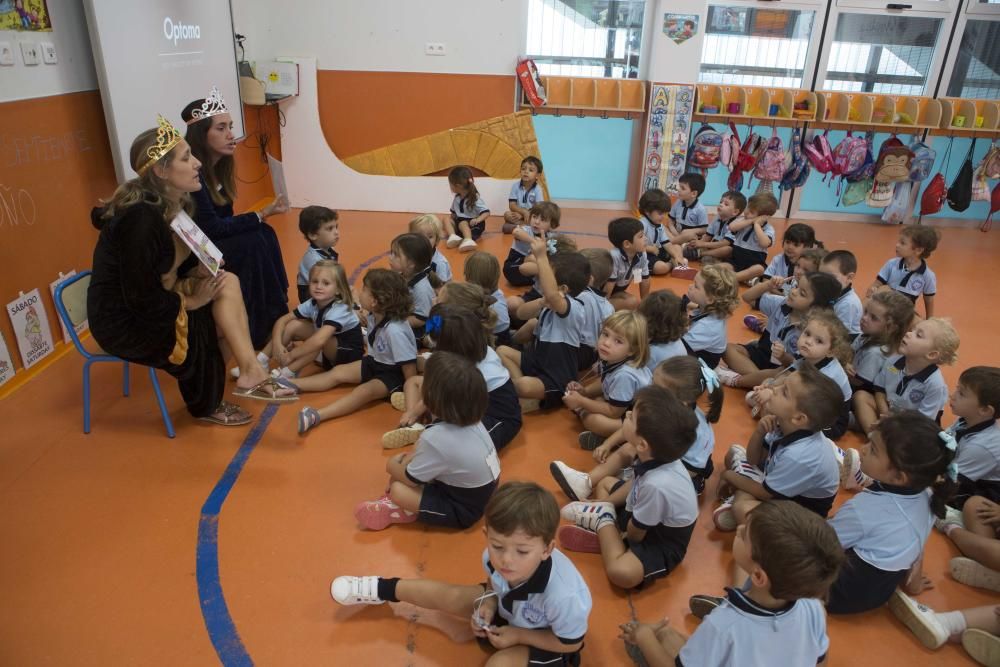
134,317
251,251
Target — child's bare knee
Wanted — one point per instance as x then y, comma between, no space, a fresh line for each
623,576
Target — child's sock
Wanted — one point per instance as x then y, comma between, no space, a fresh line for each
262,359
387,588
953,621
286,372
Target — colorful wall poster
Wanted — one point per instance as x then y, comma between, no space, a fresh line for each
82,326
25,15
31,327
6,363
680,27
667,131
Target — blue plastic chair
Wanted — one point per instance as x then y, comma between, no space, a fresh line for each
71,303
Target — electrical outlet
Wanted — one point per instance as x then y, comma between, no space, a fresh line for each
6,54
29,52
48,50
435,49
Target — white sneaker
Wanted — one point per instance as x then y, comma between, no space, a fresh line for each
724,518
727,376
468,245
735,457
850,466
920,619
355,590
398,401
575,484
982,646
590,516
401,437
952,517
453,241
971,573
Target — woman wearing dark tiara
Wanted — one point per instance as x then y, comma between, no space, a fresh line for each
142,310
248,244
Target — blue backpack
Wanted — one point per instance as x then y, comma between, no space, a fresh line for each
798,171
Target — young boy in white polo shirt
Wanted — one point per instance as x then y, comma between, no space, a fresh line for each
534,606
909,275
787,558
976,403
843,265
662,505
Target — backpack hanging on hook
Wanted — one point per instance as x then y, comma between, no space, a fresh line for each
960,192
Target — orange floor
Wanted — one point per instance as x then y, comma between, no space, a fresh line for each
100,533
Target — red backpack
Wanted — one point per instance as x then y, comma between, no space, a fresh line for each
994,207
933,197
819,154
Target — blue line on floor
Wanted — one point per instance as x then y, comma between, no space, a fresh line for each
219,624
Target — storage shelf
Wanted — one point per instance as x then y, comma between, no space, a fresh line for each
971,111
592,94
901,113
756,103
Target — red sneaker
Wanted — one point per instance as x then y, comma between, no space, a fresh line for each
574,538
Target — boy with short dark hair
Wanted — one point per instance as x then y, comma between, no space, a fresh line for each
629,262
752,236
542,218
662,505
653,207
688,221
843,265
976,403
771,617
533,607
798,237
524,194
320,227
908,273
788,457
715,242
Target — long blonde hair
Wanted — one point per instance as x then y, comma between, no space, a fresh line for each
339,280
147,188
631,325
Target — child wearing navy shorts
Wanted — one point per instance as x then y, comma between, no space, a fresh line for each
543,218
752,236
629,262
654,205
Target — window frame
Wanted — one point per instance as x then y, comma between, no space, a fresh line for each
979,9
948,69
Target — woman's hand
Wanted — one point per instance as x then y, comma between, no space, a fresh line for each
206,291
279,205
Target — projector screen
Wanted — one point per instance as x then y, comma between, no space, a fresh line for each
156,56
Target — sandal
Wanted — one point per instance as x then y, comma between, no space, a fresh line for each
271,390
231,415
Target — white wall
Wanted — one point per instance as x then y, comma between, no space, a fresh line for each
669,62
74,71
481,36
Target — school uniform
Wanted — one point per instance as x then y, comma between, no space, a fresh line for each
662,501
659,352
978,460
441,266
312,255
924,391
503,409
655,235
705,337
832,368
555,598
718,229
461,210
698,458
688,217
624,269
621,380
911,284
741,633
869,359
802,467
458,468
423,296
779,267
555,350
501,330
526,197
883,530
747,251
515,258
391,345
596,309
346,327
779,328
849,309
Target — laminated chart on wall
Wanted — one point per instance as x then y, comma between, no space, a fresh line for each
6,363
31,327
668,126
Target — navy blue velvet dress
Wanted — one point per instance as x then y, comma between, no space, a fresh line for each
251,251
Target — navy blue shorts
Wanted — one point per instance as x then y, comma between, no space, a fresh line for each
861,586
443,505
743,259
388,374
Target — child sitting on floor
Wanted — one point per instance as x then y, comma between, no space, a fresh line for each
666,323
843,265
976,404
629,262
543,218
654,205
534,605
429,226
320,227
467,221
715,242
448,479
909,275
752,235
410,256
524,194
596,307
483,269
714,292
661,507
787,558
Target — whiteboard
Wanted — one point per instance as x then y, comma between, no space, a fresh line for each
154,57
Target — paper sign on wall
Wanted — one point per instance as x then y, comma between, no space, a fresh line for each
6,363
82,326
31,326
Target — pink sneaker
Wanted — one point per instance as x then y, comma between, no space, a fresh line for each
380,514
574,538
754,324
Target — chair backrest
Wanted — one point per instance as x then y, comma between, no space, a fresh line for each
71,303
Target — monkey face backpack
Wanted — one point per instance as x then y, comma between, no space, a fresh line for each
893,164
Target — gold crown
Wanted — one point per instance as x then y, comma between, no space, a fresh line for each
213,105
167,137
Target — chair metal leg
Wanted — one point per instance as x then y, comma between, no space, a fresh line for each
86,396
125,379
163,405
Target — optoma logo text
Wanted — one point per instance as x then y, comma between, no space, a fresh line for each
175,31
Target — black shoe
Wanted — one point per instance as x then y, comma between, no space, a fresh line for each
702,605
589,441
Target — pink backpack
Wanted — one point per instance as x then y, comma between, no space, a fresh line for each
819,154
771,165
731,147
848,157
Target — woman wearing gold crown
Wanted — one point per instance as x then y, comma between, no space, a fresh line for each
142,311
248,243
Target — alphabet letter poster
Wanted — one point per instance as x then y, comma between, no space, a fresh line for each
31,326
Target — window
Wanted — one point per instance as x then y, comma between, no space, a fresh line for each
598,38
976,73
878,53
756,47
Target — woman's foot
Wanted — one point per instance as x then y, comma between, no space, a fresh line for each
228,414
